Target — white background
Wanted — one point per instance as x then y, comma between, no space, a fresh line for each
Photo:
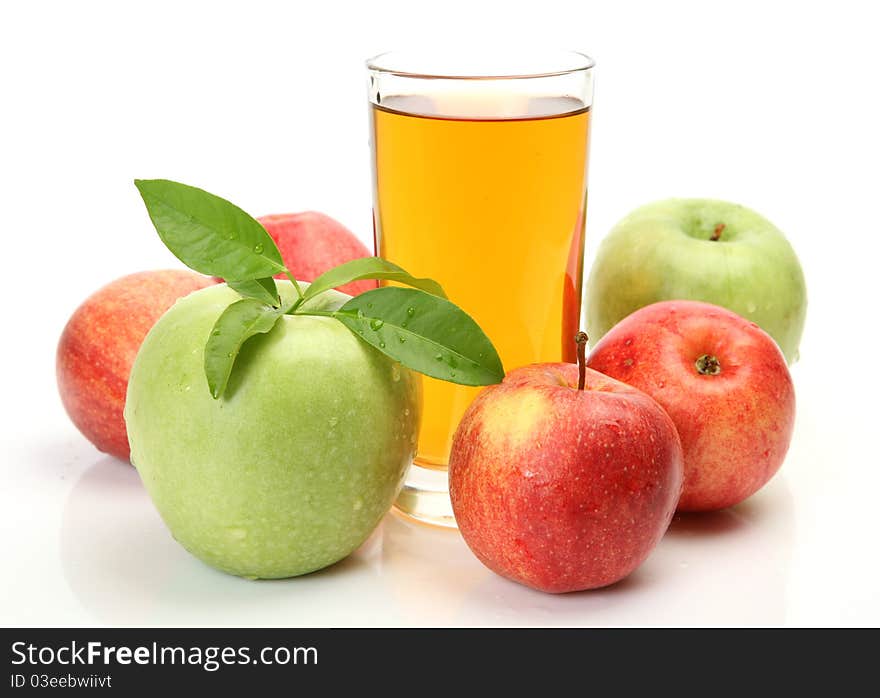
773,105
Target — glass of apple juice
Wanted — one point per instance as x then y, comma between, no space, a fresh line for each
480,182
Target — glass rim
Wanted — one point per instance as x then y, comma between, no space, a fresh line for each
582,63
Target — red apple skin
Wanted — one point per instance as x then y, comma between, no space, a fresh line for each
311,243
736,426
98,346
559,489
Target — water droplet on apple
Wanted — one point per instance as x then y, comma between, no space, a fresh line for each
381,345
406,411
751,307
216,333
258,248
376,324
410,311
358,504
395,373
439,357
232,236
401,339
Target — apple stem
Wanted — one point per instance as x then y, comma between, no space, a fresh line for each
708,365
296,286
581,340
716,234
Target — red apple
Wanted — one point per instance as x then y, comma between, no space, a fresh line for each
311,243
723,381
98,346
564,489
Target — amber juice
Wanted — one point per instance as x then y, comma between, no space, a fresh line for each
493,209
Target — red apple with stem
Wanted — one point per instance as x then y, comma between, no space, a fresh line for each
724,382
99,343
562,478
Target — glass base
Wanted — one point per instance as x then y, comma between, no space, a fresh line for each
425,497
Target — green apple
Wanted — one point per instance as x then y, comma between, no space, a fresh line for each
295,466
703,250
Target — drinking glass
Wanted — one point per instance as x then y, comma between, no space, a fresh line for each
480,182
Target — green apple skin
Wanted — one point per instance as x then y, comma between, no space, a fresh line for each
664,251
296,464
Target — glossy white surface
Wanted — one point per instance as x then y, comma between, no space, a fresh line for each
87,547
739,107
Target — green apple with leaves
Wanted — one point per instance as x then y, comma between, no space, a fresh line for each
703,250
293,468
272,422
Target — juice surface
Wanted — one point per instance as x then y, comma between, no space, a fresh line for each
494,210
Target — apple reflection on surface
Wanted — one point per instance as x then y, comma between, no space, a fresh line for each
729,567
429,570
126,569
110,543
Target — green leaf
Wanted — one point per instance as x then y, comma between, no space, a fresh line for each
209,234
238,323
261,289
369,268
424,332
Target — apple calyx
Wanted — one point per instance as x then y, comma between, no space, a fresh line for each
716,234
708,365
581,340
